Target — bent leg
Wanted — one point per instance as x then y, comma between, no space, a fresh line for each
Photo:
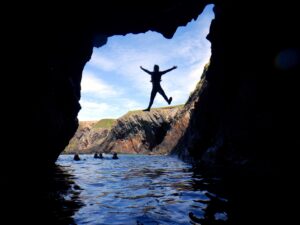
161,91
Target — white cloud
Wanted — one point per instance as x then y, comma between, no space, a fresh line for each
92,110
110,108
93,85
130,104
195,74
102,62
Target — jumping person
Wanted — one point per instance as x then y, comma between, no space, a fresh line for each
156,79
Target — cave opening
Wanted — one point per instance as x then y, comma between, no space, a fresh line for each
113,85
250,102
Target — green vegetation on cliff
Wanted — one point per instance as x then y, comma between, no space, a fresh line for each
136,112
135,132
104,123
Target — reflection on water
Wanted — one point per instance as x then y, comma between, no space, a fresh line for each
145,190
42,197
61,194
141,190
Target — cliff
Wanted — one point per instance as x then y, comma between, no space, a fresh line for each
160,131
88,135
135,132
138,131
173,141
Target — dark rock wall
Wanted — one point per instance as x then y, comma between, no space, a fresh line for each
247,115
46,47
249,103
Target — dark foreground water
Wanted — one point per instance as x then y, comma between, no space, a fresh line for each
147,190
138,189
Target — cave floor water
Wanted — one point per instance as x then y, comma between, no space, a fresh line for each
138,189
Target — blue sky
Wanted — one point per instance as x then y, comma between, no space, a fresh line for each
113,83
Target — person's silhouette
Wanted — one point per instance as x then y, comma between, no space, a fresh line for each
156,79
76,157
115,156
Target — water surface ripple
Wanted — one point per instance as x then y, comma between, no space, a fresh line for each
139,189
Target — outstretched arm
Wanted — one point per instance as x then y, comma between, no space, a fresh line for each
166,71
147,71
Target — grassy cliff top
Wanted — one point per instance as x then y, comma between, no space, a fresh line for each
108,123
152,109
104,123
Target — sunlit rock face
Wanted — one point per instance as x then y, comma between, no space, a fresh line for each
174,142
138,131
88,135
